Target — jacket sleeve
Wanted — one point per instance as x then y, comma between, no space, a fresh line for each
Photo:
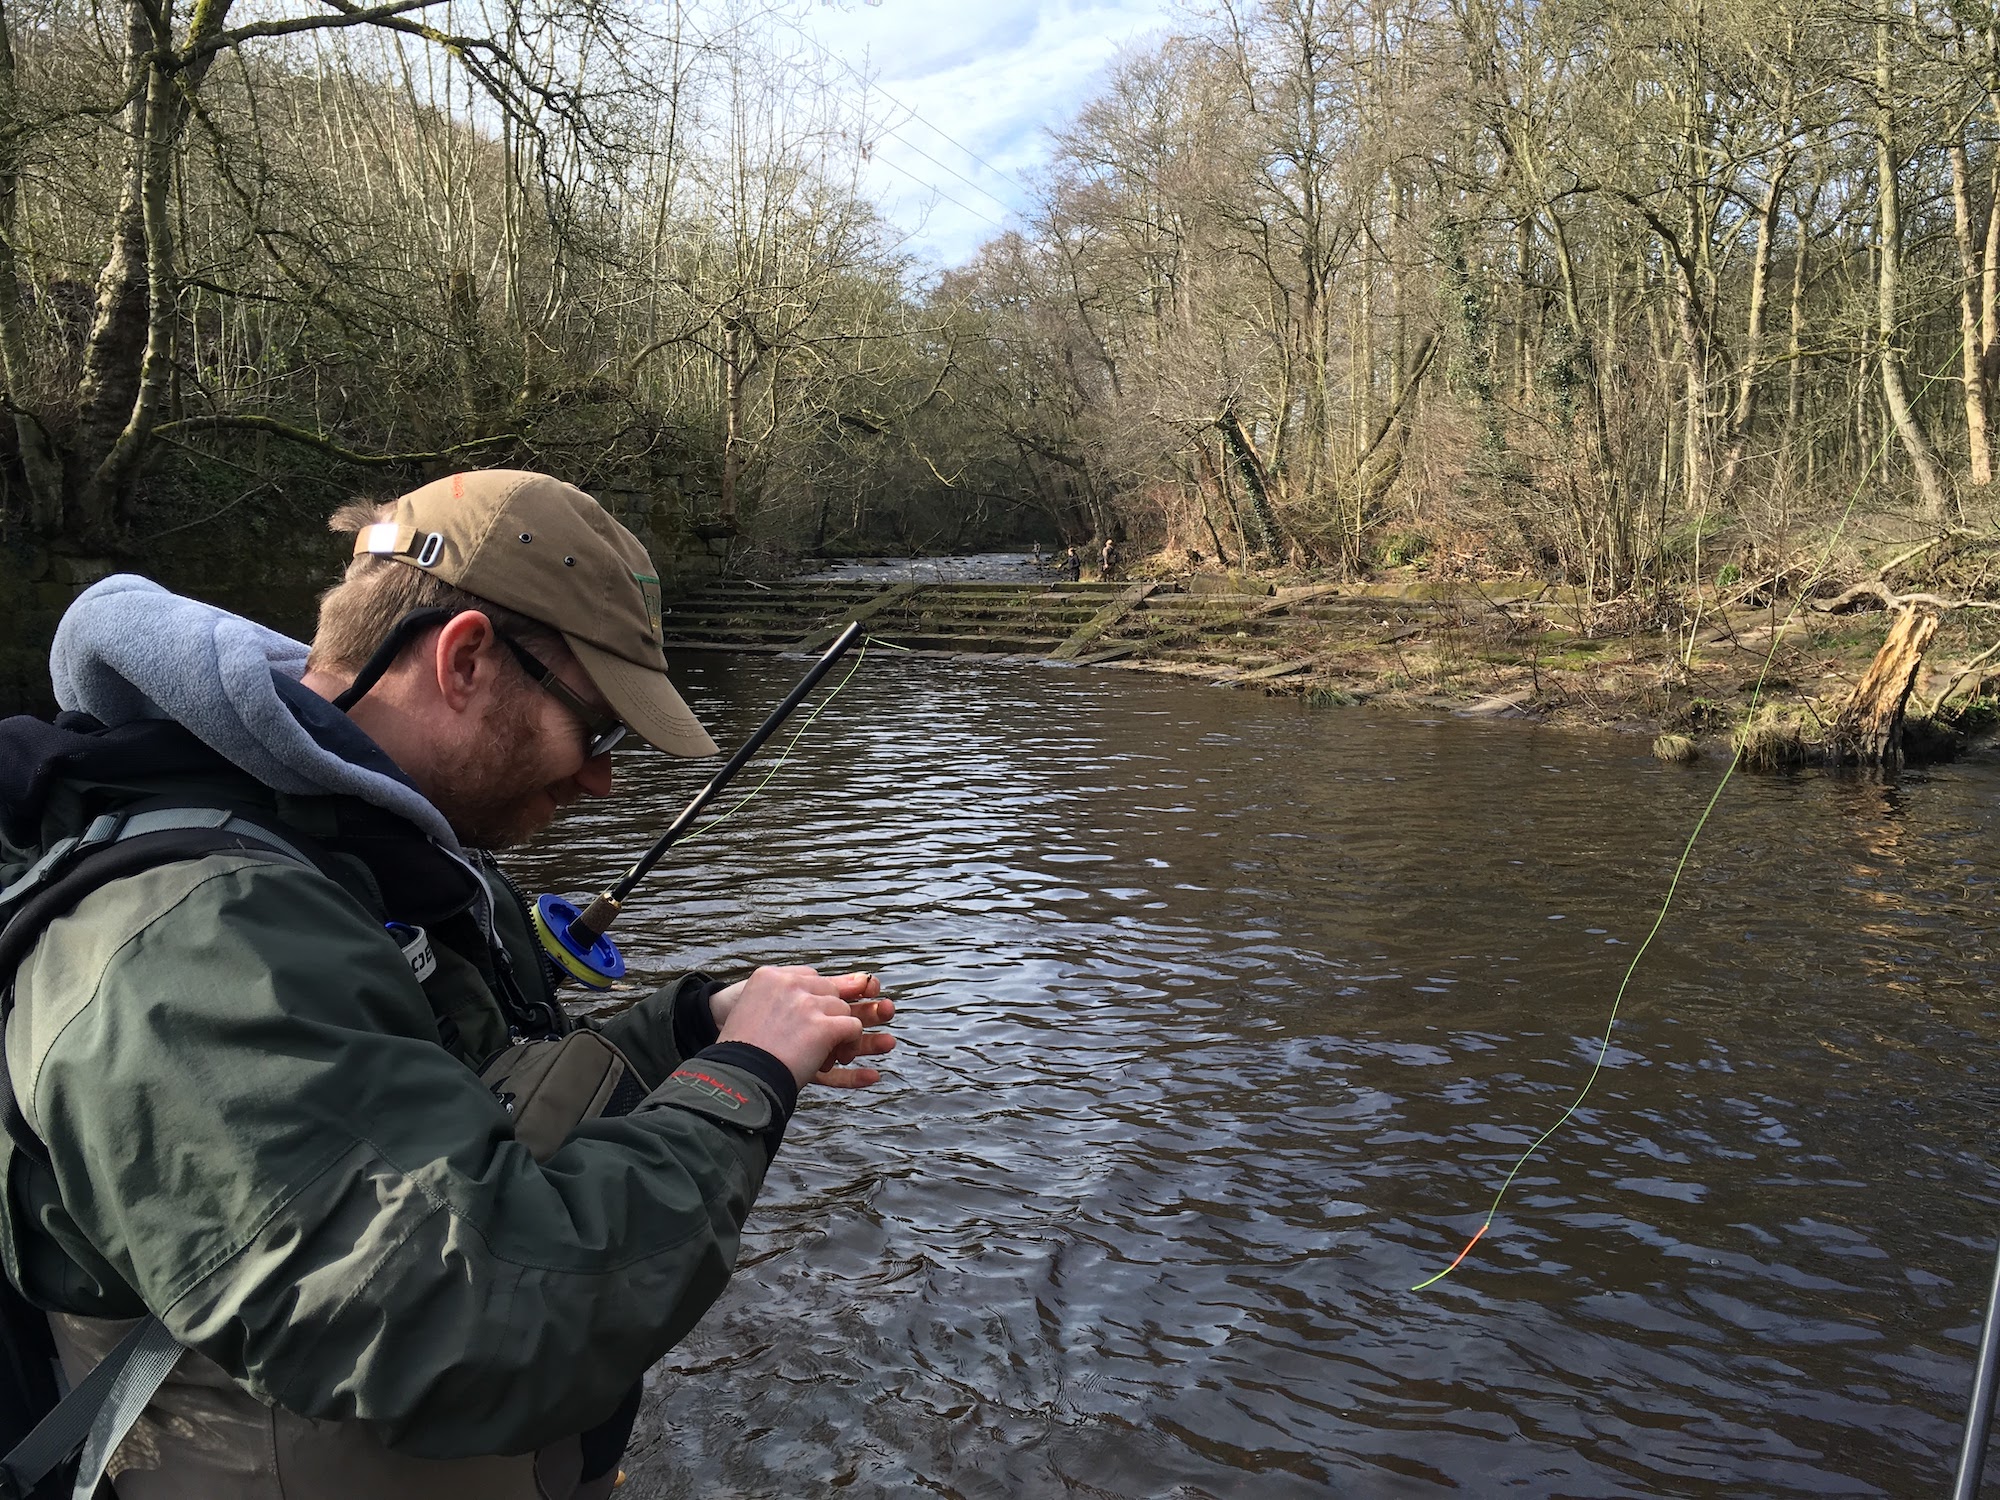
664,1029
250,1117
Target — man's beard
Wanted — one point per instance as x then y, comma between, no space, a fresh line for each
492,798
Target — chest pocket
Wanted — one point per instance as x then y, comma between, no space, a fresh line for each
553,1085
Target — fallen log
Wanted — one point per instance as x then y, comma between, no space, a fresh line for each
1959,677
1875,591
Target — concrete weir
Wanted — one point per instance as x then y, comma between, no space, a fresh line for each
804,614
1202,626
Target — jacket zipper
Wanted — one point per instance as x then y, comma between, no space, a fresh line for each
549,1015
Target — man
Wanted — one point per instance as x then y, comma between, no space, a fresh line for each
250,1081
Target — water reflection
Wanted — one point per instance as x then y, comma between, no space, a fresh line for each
1223,1019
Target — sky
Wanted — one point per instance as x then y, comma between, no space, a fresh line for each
969,91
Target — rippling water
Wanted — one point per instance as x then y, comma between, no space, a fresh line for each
1222,1020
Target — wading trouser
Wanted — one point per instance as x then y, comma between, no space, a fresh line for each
205,1438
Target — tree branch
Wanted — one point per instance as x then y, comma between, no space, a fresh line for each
346,15
324,444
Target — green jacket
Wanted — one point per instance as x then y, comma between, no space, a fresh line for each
265,1130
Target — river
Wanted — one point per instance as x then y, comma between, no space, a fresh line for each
1222,1019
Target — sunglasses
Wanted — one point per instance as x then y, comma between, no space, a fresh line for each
602,732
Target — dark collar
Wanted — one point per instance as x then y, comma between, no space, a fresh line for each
333,731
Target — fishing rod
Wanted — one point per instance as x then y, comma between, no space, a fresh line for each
575,939
1979,1420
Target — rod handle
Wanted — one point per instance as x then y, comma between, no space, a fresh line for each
594,920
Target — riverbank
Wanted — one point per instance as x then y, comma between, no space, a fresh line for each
1775,677
1697,679
1503,648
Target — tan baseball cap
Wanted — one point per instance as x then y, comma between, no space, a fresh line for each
546,550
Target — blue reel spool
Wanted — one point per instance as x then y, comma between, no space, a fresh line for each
596,967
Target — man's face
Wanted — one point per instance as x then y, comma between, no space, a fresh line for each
527,762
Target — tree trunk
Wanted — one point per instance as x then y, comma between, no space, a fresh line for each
1694,395
1583,341
1522,368
732,417
1795,343
115,349
1869,727
461,308
128,360
1989,261
103,500
1743,411
1228,492
1972,351
1256,479
39,460
1381,461
1989,276
1930,475
1212,476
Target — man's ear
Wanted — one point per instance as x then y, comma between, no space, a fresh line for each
463,666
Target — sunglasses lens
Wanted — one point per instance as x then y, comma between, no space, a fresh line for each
608,741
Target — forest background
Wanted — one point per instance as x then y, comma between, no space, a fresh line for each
1642,295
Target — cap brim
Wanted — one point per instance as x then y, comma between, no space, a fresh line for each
645,700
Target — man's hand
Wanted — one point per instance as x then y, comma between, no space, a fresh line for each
813,1023
862,992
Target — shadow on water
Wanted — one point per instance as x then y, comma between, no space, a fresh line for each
1223,1020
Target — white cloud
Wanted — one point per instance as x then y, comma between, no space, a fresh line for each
968,93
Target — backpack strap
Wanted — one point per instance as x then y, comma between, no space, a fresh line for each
118,828
96,1415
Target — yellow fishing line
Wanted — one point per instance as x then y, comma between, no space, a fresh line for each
792,744
1673,886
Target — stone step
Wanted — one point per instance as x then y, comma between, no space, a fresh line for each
1055,619
1204,618
1032,645
1154,625
730,598
781,634
1213,604
773,617
1368,609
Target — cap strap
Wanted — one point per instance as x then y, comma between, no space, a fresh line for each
387,539
384,537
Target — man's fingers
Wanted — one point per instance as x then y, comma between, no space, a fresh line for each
869,1044
797,1013
847,1078
841,1029
804,977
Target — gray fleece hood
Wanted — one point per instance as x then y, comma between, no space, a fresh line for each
128,649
